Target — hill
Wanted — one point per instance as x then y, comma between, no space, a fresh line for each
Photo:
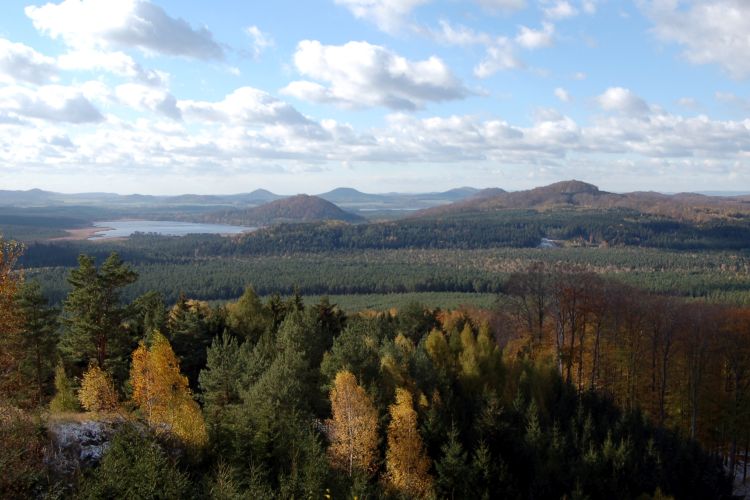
299,208
575,194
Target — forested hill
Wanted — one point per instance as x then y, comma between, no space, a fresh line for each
300,208
581,195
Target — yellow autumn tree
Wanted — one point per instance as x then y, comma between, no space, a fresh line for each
97,392
162,392
354,426
407,463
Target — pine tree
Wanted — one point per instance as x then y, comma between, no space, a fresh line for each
407,462
453,470
354,426
39,338
93,313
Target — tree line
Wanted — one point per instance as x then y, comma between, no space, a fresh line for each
549,395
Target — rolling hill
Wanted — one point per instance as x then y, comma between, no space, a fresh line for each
299,208
575,194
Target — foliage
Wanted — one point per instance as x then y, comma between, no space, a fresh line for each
162,392
93,315
353,429
135,466
97,392
21,454
12,384
38,338
407,463
65,399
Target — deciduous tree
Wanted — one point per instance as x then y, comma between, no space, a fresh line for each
407,462
354,426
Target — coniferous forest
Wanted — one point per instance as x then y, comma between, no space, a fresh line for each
572,386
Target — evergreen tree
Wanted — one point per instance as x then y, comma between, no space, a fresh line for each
39,338
453,470
94,316
135,466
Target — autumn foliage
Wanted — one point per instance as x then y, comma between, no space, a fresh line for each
354,426
97,392
406,460
162,393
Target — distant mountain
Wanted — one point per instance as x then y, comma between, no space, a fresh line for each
31,197
575,194
351,195
300,208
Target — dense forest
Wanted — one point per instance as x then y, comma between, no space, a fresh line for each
574,385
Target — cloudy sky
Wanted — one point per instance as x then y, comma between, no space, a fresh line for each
169,96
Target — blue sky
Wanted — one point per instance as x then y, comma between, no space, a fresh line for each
169,97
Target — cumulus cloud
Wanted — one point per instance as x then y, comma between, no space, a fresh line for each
388,15
499,56
459,35
562,94
535,39
21,63
55,103
245,105
115,62
359,75
259,41
622,100
710,31
142,97
558,9
104,24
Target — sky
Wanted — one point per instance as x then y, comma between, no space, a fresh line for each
170,97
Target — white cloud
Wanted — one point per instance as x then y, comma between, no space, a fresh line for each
104,24
562,94
55,103
589,6
388,15
734,101
622,100
260,41
499,56
535,39
459,35
21,63
359,75
115,62
245,105
558,9
142,97
710,31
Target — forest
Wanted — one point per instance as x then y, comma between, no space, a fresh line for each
573,385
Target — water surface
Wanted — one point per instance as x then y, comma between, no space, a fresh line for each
125,228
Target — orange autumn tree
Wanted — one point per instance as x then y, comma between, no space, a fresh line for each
407,463
11,378
162,392
97,392
354,426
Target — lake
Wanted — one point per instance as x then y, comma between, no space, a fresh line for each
125,228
